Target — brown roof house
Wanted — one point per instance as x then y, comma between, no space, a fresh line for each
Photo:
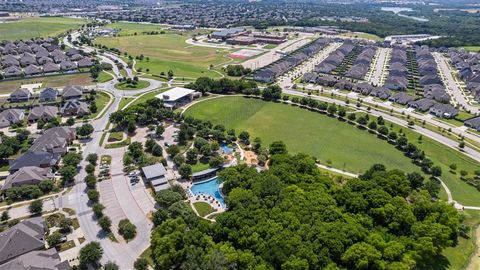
42,112
22,238
20,95
72,92
11,116
74,108
29,175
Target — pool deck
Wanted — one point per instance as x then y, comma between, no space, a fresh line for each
192,198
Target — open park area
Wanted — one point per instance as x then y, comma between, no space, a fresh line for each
38,27
166,52
334,143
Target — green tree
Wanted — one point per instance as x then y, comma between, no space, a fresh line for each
185,171
72,159
68,173
93,195
91,254
173,150
277,147
192,156
135,149
92,159
216,162
244,136
85,130
35,207
127,229
110,266
165,198
105,223
140,264
5,216
98,209
54,239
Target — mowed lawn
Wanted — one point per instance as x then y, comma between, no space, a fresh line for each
7,87
38,27
327,138
168,51
303,131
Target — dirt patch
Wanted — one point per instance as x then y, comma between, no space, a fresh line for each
250,158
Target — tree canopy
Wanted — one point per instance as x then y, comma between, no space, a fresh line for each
294,217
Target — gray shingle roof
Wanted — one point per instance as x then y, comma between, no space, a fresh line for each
24,237
154,171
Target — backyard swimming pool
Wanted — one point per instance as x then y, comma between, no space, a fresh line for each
209,187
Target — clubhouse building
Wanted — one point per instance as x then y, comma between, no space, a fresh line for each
177,97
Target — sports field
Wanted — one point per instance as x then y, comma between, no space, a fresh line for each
168,52
327,138
38,27
363,35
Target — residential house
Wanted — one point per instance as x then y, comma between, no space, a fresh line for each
42,159
46,113
74,108
22,238
401,98
443,110
32,70
421,105
29,175
67,65
20,95
85,62
37,260
48,94
54,140
473,123
50,67
12,71
11,116
27,59
72,92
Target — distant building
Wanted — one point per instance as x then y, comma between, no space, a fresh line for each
228,33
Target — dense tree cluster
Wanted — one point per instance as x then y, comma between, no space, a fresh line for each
151,112
224,86
293,217
237,70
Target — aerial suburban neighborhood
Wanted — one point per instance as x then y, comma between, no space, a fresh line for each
236,134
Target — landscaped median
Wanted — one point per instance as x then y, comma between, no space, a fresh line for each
132,84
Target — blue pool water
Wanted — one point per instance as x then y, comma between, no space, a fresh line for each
209,187
226,149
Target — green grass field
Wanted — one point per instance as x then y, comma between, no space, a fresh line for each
126,86
7,87
168,52
472,48
104,77
363,35
101,100
203,208
303,131
38,27
329,139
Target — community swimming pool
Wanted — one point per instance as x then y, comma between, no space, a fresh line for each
209,187
226,149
